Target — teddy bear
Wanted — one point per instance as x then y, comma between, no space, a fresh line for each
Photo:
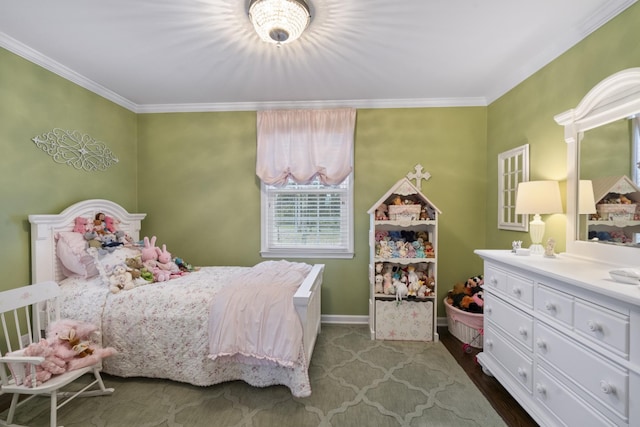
52,365
428,250
71,341
139,273
120,279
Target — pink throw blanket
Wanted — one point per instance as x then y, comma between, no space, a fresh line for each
254,317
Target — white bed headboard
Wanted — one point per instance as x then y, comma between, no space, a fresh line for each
44,263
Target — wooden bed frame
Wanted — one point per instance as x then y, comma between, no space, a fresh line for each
46,266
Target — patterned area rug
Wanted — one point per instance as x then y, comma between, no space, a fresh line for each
355,382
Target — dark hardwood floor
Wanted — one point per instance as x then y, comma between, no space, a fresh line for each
510,411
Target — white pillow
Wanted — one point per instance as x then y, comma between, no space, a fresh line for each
107,261
71,250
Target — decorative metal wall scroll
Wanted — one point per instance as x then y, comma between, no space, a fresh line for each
75,149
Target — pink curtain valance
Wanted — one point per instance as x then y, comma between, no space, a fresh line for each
303,144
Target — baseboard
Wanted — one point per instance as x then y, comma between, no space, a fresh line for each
361,320
344,319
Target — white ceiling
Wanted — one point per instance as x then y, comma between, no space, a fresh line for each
203,55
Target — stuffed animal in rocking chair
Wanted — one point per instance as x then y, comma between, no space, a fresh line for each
72,342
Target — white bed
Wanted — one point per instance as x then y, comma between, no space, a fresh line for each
161,329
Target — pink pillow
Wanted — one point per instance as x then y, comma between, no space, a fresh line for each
71,250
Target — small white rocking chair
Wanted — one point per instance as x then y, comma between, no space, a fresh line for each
29,309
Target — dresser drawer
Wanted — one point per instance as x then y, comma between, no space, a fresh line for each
515,362
495,278
520,289
554,304
598,377
514,322
606,327
569,409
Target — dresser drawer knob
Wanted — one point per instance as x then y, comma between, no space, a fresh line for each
542,345
522,331
550,306
541,389
489,343
488,309
493,281
594,326
607,388
522,372
517,291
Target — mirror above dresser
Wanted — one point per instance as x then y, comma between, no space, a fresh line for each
608,104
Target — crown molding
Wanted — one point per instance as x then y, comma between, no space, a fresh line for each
282,105
55,67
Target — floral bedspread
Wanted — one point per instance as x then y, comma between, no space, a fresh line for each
161,331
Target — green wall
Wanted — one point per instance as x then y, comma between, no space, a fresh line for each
194,173
198,185
34,101
525,114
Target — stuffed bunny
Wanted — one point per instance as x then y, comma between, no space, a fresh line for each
149,251
165,262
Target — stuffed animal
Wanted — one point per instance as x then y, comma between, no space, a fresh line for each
165,262
401,289
184,266
71,341
387,283
93,240
474,284
459,298
381,212
412,278
423,291
120,279
139,273
52,365
478,298
149,249
428,250
81,225
99,224
109,224
109,243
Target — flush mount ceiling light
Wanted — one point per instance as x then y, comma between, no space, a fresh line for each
279,21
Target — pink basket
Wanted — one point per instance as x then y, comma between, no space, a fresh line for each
464,325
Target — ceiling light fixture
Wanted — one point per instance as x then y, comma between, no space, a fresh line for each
279,21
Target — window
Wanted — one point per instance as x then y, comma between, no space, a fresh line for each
307,220
513,168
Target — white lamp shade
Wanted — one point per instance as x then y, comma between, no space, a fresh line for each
538,197
586,199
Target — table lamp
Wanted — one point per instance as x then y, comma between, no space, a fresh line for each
538,197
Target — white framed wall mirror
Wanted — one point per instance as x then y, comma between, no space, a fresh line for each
603,147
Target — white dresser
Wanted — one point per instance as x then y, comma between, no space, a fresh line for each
563,338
